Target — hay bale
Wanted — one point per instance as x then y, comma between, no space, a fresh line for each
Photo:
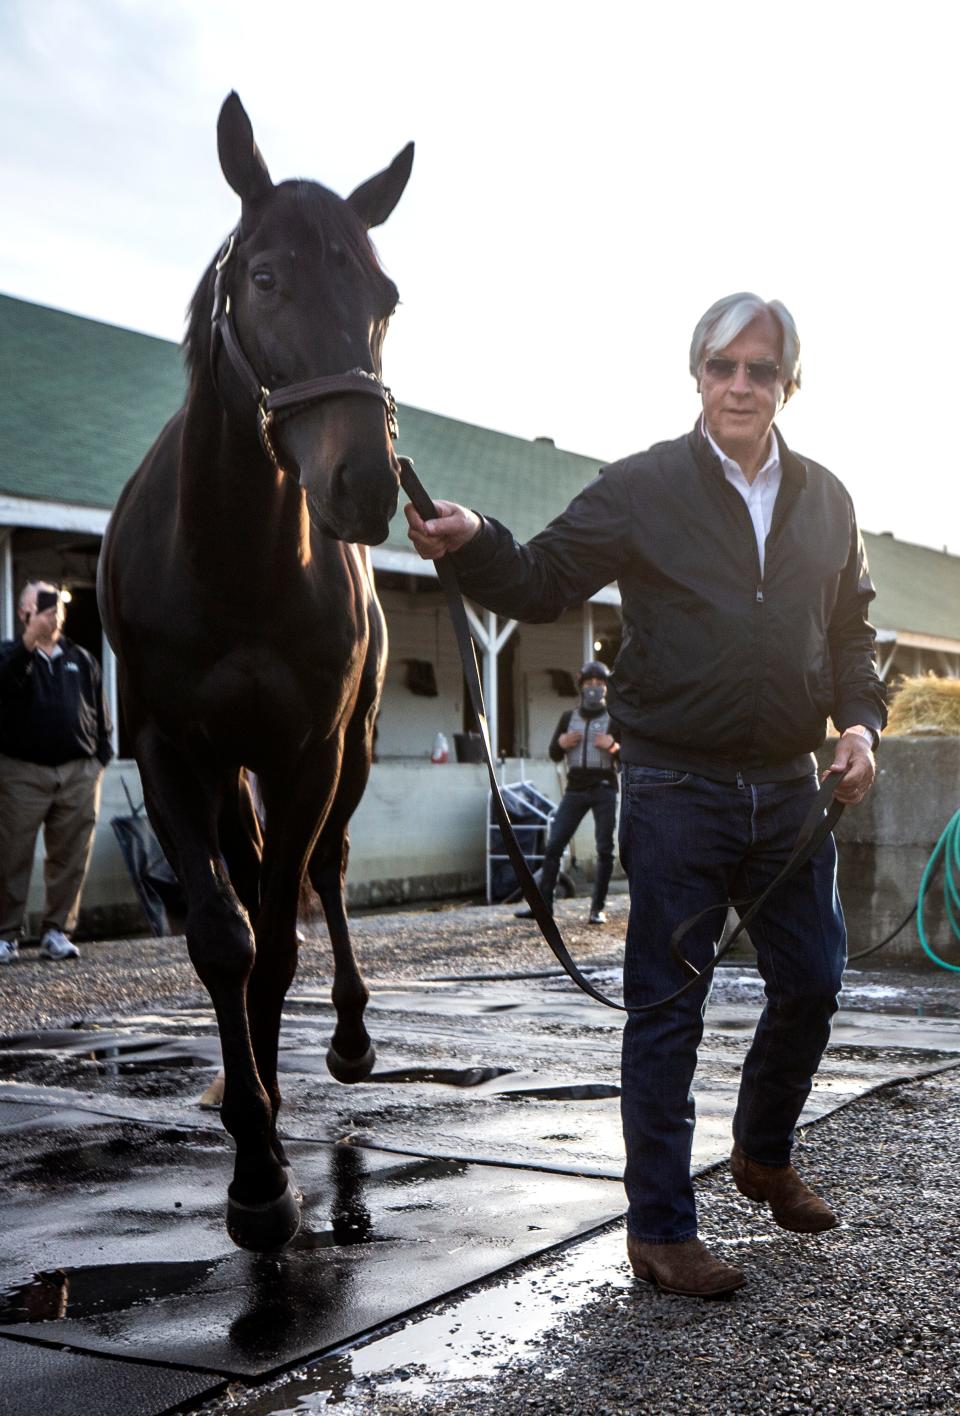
925,704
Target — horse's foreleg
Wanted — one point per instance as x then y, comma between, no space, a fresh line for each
351,1054
184,806
295,805
241,841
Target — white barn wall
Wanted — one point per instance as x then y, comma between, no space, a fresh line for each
419,833
419,628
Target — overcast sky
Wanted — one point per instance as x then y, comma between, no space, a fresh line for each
588,179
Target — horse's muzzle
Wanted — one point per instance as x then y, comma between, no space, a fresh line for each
336,511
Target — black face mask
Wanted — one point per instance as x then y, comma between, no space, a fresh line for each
593,697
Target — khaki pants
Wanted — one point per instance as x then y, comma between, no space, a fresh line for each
64,801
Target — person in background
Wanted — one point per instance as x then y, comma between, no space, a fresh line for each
586,738
55,741
745,590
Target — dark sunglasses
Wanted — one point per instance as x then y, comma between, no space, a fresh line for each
759,371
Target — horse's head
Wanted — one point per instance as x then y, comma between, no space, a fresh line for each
308,303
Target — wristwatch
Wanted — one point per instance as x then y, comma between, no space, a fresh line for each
871,735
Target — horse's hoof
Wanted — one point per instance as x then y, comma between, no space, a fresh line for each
267,1226
213,1096
350,1069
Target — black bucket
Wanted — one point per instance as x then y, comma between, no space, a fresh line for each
468,747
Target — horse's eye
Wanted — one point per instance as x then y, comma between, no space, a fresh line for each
264,279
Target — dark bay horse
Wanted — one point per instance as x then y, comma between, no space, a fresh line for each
238,597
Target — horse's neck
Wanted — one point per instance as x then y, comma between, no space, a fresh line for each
234,510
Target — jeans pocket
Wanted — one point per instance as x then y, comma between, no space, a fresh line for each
644,779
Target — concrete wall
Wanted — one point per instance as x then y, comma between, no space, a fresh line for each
885,843
419,833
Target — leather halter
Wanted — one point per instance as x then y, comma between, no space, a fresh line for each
291,396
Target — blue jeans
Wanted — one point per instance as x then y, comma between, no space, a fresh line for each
687,843
574,805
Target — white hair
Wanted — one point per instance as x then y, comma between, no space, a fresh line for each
34,583
729,317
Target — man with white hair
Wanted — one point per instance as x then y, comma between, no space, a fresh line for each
745,589
55,740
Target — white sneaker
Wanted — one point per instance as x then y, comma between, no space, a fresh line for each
57,946
9,951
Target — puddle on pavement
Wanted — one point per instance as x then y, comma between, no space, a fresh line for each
583,1091
56,1057
446,1076
114,1158
470,1340
86,1291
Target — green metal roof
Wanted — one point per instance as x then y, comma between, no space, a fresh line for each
82,402
918,589
524,484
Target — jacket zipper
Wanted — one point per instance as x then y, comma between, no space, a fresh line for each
747,522
761,659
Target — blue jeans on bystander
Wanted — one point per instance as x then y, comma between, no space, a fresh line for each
686,843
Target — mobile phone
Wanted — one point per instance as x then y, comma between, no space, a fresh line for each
46,599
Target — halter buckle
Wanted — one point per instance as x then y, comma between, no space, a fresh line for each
264,424
393,426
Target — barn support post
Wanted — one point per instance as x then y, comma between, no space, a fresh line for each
7,607
109,661
490,637
588,650
887,664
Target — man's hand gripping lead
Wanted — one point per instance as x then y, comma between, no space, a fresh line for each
855,765
453,527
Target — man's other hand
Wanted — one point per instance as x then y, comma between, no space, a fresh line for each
855,760
606,743
453,527
568,740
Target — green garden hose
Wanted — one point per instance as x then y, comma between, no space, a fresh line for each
948,847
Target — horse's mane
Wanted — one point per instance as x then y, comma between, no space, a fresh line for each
196,340
328,220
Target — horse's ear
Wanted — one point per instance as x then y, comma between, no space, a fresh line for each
373,201
240,158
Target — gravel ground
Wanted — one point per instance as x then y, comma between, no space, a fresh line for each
122,976
861,1320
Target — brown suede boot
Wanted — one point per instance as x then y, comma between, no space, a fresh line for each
793,1204
687,1268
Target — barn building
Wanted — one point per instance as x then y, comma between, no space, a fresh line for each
82,403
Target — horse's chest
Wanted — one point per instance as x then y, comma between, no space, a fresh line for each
262,690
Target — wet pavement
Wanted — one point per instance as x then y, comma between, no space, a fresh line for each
487,1134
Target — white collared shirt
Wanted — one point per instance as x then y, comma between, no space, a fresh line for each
760,494
54,653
